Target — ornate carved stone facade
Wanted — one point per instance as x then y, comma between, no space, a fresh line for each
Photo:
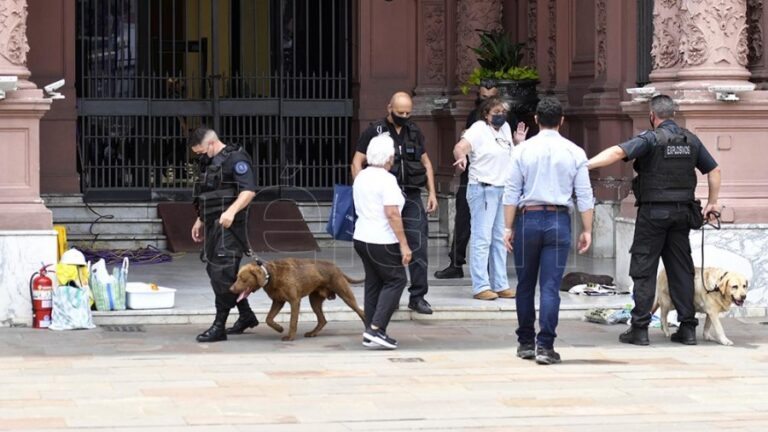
714,33
602,48
434,35
533,13
552,40
13,32
755,31
472,15
665,49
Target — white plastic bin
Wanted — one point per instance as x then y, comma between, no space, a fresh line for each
139,295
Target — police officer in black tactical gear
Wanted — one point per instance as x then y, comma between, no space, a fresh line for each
226,187
413,170
665,161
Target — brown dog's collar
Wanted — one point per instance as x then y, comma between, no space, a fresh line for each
267,276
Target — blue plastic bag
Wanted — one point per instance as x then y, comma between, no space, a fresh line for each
341,223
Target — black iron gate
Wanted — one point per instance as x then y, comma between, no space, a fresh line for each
270,75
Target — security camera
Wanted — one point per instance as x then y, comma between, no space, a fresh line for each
52,87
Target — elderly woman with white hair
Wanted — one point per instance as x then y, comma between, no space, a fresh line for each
380,240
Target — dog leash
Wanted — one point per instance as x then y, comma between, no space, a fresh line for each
716,226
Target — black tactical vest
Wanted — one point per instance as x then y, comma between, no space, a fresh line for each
217,188
407,168
667,174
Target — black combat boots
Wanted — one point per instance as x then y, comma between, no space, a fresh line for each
243,323
635,336
685,335
217,331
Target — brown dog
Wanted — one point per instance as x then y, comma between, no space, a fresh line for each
722,288
292,279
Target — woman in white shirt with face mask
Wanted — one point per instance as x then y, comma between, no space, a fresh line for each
488,143
380,240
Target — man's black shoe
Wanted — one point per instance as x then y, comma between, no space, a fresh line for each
450,272
242,324
635,336
215,333
379,338
685,335
420,306
526,351
546,356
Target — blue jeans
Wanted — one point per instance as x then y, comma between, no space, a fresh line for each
542,243
488,257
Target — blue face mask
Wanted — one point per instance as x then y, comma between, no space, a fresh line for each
498,120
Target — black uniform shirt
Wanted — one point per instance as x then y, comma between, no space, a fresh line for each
371,131
239,164
642,144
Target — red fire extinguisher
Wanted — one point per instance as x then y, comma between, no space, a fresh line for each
41,293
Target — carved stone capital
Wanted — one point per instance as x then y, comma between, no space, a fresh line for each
471,16
714,33
13,38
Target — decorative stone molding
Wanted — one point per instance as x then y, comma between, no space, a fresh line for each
434,35
13,32
532,31
755,31
552,39
714,33
471,16
602,34
665,49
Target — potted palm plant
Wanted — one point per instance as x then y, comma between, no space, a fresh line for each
500,66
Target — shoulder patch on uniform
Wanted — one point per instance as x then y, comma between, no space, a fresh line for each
241,167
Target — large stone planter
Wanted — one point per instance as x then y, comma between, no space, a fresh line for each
521,96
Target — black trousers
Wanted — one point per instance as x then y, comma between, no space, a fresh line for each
662,231
222,255
417,233
461,224
384,281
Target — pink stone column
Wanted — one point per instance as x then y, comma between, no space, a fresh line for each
20,205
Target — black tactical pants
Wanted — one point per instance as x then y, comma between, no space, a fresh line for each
416,232
223,253
662,231
461,224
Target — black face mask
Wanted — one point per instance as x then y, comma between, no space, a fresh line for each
478,101
399,121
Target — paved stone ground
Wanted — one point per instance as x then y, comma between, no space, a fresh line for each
447,375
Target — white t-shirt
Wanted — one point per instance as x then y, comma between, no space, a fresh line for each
373,189
491,154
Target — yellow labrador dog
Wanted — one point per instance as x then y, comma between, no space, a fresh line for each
722,288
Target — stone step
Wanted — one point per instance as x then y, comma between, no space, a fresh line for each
333,314
117,241
58,199
114,226
89,212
